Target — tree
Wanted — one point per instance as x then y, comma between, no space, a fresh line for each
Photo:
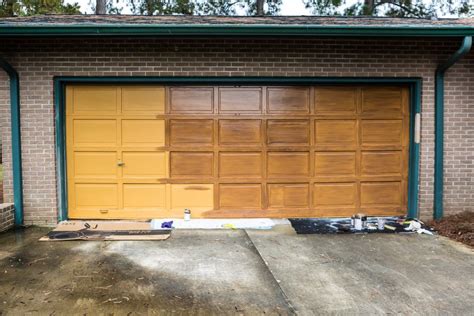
204,7
157,7
392,8
260,7
101,7
111,6
34,7
257,7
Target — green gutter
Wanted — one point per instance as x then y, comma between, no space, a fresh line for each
439,124
16,140
166,30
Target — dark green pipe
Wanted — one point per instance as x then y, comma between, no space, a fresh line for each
439,124
16,140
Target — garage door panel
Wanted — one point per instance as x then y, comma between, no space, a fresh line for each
240,100
191,132
192,100
94,133
288,195
382,101
288,100
334,164
335,101
240,132
196,197
96,196
334,195
288,132
288,164
240,164
382,133
143,100
336,134
191,164
144,165
94,100
144,196
381,194
383,211
240,196
143,133
89,165
381,163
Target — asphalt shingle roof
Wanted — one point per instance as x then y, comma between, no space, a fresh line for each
98,20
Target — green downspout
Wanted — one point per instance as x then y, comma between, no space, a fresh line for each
16,140
439,124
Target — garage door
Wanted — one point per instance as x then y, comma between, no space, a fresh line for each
223,151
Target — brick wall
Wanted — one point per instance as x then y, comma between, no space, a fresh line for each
38,61
6,216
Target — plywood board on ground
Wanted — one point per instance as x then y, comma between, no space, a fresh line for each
105,230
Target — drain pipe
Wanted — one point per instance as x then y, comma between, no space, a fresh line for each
439,124
16,140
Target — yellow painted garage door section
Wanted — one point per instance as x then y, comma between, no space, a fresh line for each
140,152
117,157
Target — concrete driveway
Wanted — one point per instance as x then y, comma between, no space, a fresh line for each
236,272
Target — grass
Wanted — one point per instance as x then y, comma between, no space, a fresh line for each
1,172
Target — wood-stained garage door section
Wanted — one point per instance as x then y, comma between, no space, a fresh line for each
248,151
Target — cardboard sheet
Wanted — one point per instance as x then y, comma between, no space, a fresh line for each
105,230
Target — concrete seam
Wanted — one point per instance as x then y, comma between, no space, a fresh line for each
287,300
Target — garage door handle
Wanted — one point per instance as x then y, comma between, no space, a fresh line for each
120,164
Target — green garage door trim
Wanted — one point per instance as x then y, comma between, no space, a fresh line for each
61,82
16,140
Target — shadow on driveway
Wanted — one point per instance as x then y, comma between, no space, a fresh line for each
192,273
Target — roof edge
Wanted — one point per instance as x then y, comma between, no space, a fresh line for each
73,30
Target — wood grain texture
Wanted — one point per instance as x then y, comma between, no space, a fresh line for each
284,196
288,164
240,196
240,100
191,132
288,132
240,165
191,100
240,132
191,164
293,100
333,164
333,101
336,134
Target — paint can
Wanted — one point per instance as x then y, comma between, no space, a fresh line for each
360,221
380,223
357,222
187,214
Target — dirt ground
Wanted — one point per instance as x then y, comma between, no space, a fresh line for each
1,180
1,192
459,227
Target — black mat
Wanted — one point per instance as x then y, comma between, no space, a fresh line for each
343,225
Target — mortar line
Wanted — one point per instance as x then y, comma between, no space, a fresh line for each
285,297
